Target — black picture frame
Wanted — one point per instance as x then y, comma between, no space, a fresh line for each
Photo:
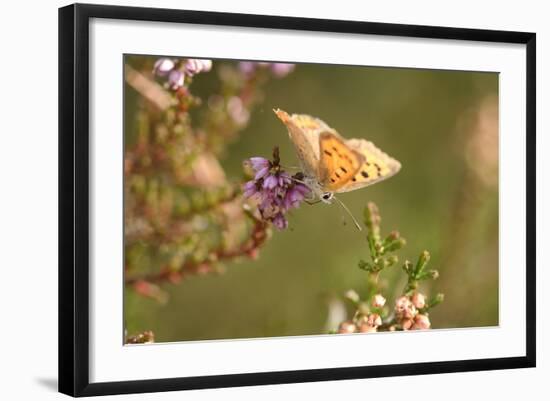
74,194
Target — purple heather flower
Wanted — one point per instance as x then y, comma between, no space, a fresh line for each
247,67
271,181
295,195
258,163
261,173
250,189
280,222
176,79
281,70
196,65
237,111
284,179
163,66
274,189
270,205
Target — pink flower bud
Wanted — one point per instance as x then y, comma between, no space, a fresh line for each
378,301
237,111
206,65
352,295
176,79
401,303
196,65
370,323
374,319
406,324
163,66
347,328
421,322
404,308
418,300
281,70
247,67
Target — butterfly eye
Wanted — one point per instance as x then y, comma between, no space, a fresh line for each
327,196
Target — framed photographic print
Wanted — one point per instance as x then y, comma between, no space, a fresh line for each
250,199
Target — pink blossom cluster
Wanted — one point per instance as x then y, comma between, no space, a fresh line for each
175,71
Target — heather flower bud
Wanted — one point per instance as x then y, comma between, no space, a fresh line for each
378,301
374,319
295,194
421,322
439,298
401,303
418,300
195,66
392,259
247,67
352,296
370,323
270,182
237,111
408,266
250,189
407,324
281,70
424,258
147,337
163,66
404,308
393,236
280,222
347,327
372,219
176,79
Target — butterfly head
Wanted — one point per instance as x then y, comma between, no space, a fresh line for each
327,197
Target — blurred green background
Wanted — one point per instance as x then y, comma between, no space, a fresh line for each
443,128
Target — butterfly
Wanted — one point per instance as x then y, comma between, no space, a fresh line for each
332,164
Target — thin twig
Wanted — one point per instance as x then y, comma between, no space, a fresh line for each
257,238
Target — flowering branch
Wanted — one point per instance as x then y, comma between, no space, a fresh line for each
411,309
147,337
249,248
183,216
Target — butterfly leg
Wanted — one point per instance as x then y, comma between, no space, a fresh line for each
292,168
312,202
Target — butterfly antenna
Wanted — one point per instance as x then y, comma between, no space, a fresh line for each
299,181
349,212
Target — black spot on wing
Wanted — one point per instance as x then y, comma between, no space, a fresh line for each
365,174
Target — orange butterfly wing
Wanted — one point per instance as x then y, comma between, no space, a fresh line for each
339,163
